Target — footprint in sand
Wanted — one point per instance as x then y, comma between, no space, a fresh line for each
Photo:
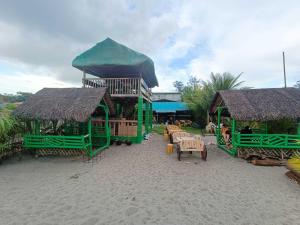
130,211
75,176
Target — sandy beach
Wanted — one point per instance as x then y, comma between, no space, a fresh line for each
140,184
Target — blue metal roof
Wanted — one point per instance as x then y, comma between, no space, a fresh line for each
164,107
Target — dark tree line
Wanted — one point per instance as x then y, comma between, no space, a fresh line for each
10,98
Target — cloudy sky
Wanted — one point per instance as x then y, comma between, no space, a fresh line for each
39,39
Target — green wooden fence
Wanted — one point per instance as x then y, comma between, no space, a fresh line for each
258,139
53,141
267,140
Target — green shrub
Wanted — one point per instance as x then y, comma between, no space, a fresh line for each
159,129
11,106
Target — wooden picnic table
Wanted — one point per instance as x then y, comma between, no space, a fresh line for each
191,144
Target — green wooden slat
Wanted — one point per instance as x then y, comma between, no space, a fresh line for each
52,141
268,140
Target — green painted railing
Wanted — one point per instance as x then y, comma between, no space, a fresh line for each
267,140
53,141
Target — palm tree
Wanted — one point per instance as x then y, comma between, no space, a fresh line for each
225,81
218,82
199,99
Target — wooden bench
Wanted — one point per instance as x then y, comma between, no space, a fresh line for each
179,134
191,144
171,129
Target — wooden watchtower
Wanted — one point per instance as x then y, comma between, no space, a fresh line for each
129,77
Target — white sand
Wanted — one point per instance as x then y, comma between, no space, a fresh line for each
140,184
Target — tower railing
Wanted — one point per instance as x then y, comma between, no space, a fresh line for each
120,87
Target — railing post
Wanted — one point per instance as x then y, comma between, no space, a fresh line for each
151,117
147,117
140,86
140,120
298,127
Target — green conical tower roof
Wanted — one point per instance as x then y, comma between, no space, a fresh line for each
109,59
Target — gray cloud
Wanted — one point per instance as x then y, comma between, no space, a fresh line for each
247,36
52,33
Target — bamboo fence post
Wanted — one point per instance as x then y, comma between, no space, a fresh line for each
140,120
147,117
151,117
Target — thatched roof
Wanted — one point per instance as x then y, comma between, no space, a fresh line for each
110,59
259,104
73,104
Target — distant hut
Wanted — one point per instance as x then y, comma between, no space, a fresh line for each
170,111
168,106
59,120
238,109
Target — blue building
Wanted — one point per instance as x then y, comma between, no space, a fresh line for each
166,109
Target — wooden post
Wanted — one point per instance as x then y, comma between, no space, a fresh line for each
83,79
107,129
219,126
207,117
233,132
90,137
140,120
37,127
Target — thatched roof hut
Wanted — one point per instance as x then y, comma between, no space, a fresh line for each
72,104
259,104
110,59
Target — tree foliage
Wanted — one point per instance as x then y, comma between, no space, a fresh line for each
178,85
198,94
194,82
223,81
9,126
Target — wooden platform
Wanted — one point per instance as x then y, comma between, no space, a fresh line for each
266,153
59,152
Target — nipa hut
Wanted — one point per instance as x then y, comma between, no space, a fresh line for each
61,120
236,110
